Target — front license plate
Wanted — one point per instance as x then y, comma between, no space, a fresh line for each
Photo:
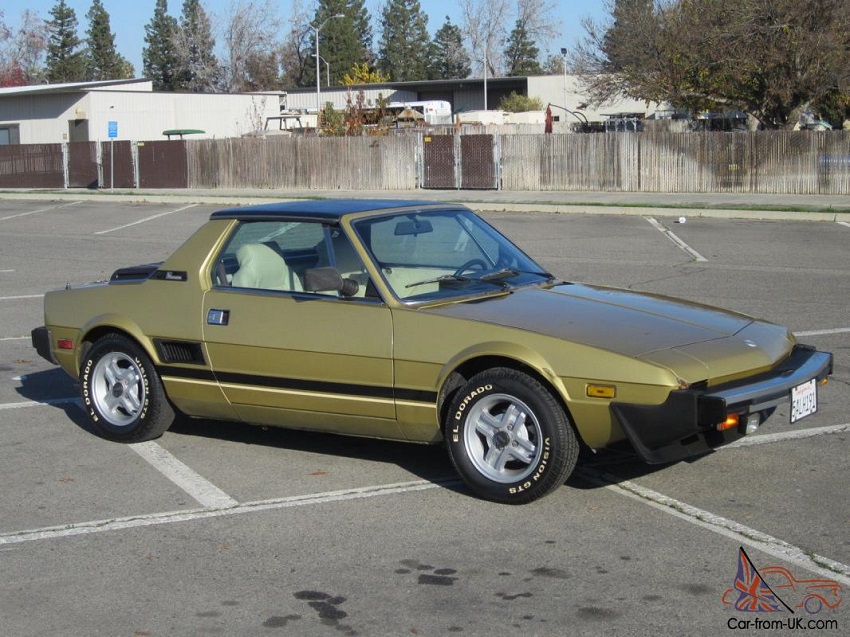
804,400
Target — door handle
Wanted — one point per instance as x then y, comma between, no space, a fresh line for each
218,317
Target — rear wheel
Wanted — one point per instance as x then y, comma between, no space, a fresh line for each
508,437
122,393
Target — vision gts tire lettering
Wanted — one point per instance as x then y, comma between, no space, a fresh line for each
508,437
122,393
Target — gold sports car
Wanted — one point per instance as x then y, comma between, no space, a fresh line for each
416,321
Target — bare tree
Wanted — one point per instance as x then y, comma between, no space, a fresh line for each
250,36
22,50
485,25
538,17
295,50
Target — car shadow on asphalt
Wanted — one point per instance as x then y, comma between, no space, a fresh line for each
428,462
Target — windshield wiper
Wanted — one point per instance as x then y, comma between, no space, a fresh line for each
504,273
507,273
459,278
445,278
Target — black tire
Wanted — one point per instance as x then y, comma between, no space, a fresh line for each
122,392
509,438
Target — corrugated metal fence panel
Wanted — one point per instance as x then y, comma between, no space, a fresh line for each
32,166
163,164
478,169
439,159
125,173
347,163
82,165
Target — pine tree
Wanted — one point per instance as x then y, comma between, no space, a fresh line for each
448,58
158,56
403,50
521,53
197,66
103,62
65,61
343,42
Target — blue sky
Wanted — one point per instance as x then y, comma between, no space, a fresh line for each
129,17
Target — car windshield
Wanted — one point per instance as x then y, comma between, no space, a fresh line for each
435,255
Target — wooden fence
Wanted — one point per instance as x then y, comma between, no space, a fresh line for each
781,162
346,163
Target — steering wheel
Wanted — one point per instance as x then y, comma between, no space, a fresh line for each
466,266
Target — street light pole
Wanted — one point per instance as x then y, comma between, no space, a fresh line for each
327,70
316,29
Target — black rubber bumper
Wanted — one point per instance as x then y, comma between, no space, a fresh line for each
686,423
41,343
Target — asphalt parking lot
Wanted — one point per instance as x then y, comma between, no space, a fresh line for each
223,529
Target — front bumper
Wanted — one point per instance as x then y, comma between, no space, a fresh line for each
686,423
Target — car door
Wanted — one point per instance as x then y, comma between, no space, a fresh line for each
285,356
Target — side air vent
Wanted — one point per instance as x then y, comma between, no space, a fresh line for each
185,352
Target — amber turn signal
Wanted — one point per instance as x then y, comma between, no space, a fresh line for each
731,422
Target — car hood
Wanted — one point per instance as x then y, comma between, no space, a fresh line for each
697,341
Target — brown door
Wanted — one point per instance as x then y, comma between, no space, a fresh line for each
439,158
163,164
82,165
478,169
121,163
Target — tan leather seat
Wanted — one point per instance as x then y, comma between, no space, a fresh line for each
262,268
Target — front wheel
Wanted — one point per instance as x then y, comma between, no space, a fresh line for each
122,393
509,438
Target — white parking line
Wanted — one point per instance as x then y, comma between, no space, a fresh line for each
170,517
16,338
838,330
741,533
19,298
146,219
797,434
843,223
35,212
217,503
681,244
205,492
42,403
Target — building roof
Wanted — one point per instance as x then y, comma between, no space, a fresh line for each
72,87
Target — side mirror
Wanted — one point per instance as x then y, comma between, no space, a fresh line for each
329,280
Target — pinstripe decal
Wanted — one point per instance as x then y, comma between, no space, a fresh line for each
317,386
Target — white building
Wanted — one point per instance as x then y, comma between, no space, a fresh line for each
129,109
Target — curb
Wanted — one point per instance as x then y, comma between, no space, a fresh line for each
661,210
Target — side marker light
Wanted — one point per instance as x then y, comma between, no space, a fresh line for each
601,391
